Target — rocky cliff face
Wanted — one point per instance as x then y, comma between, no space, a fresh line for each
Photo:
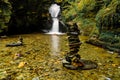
28,15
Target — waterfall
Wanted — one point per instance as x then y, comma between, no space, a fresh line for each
54,11
55,25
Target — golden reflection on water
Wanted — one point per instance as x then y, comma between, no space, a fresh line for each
55,44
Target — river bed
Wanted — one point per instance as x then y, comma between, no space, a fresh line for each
40,58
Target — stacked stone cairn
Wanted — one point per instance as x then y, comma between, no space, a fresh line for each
18,43
72,58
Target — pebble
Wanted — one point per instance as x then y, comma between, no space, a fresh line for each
36,78
110,52
16,56
119,67
21,64
102,77
107,78
56,69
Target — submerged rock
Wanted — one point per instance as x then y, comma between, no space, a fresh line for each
18,43
84,65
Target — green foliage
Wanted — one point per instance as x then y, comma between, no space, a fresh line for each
81,12
107,20
78,9
109,37
105,14
5,12
108,17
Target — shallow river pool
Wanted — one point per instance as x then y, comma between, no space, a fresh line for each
40,58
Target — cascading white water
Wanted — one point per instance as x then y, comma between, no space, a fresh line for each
54,11
55,25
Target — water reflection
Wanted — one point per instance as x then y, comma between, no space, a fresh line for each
55,47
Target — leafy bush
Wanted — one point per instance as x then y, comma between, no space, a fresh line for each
109,37
77,9
108,17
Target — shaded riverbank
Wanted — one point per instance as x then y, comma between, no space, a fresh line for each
40,59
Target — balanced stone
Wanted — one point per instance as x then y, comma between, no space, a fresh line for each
72,58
